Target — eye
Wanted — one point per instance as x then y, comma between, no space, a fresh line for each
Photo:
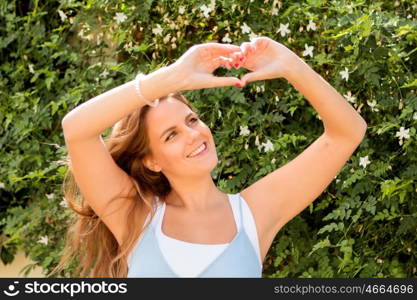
193,120
169,136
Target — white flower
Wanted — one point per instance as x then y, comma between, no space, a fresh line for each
252,35
308,50
345,74
268,146
244,130
415,116
350,9
120,17
213,4
62,15
273,161
245,28
219,113
246,146
31,68
43,240
276,5
128,45
105,73
167,38
206,10
364,161
173,46
2,185
181,10
226,39
311,25
401,105
260,88
50,196
283,29
403,134
257,143
372,105
157,30
349,97
63,203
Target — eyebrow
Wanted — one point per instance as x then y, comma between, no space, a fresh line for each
173,127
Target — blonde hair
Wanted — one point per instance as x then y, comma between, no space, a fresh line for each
88,240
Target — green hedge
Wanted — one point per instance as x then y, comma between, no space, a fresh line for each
57,54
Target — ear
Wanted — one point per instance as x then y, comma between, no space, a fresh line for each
151,164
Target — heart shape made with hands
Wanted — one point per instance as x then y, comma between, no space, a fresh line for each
238,59
229,63
262,56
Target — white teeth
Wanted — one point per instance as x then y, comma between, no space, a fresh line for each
201,148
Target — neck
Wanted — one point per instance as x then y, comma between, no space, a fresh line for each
198,194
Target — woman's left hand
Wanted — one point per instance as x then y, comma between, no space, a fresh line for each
266,58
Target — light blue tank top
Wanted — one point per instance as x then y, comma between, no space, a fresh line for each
238,259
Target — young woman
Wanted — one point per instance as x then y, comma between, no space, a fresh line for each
149,206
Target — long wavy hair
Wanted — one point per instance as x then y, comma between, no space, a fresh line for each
89,244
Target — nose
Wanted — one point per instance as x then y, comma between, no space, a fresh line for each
192,135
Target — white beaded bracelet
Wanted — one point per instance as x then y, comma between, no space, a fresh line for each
138,91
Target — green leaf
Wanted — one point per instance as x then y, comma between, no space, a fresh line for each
320,245
410,84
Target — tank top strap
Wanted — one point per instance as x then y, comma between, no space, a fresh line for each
240,212
157,212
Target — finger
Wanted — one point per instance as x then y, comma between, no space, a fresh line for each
250,77
223,61
221,49
260,42
236,61
224,81
246,48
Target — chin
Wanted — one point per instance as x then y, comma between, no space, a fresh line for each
206,165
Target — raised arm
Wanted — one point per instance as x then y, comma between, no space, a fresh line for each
193,70
92,117
281,195
98,176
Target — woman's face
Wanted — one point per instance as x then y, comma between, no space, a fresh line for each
181,143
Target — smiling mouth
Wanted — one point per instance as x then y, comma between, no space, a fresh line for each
198,151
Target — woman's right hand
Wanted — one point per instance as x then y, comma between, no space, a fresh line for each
196,65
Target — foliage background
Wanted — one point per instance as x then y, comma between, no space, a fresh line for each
56,54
